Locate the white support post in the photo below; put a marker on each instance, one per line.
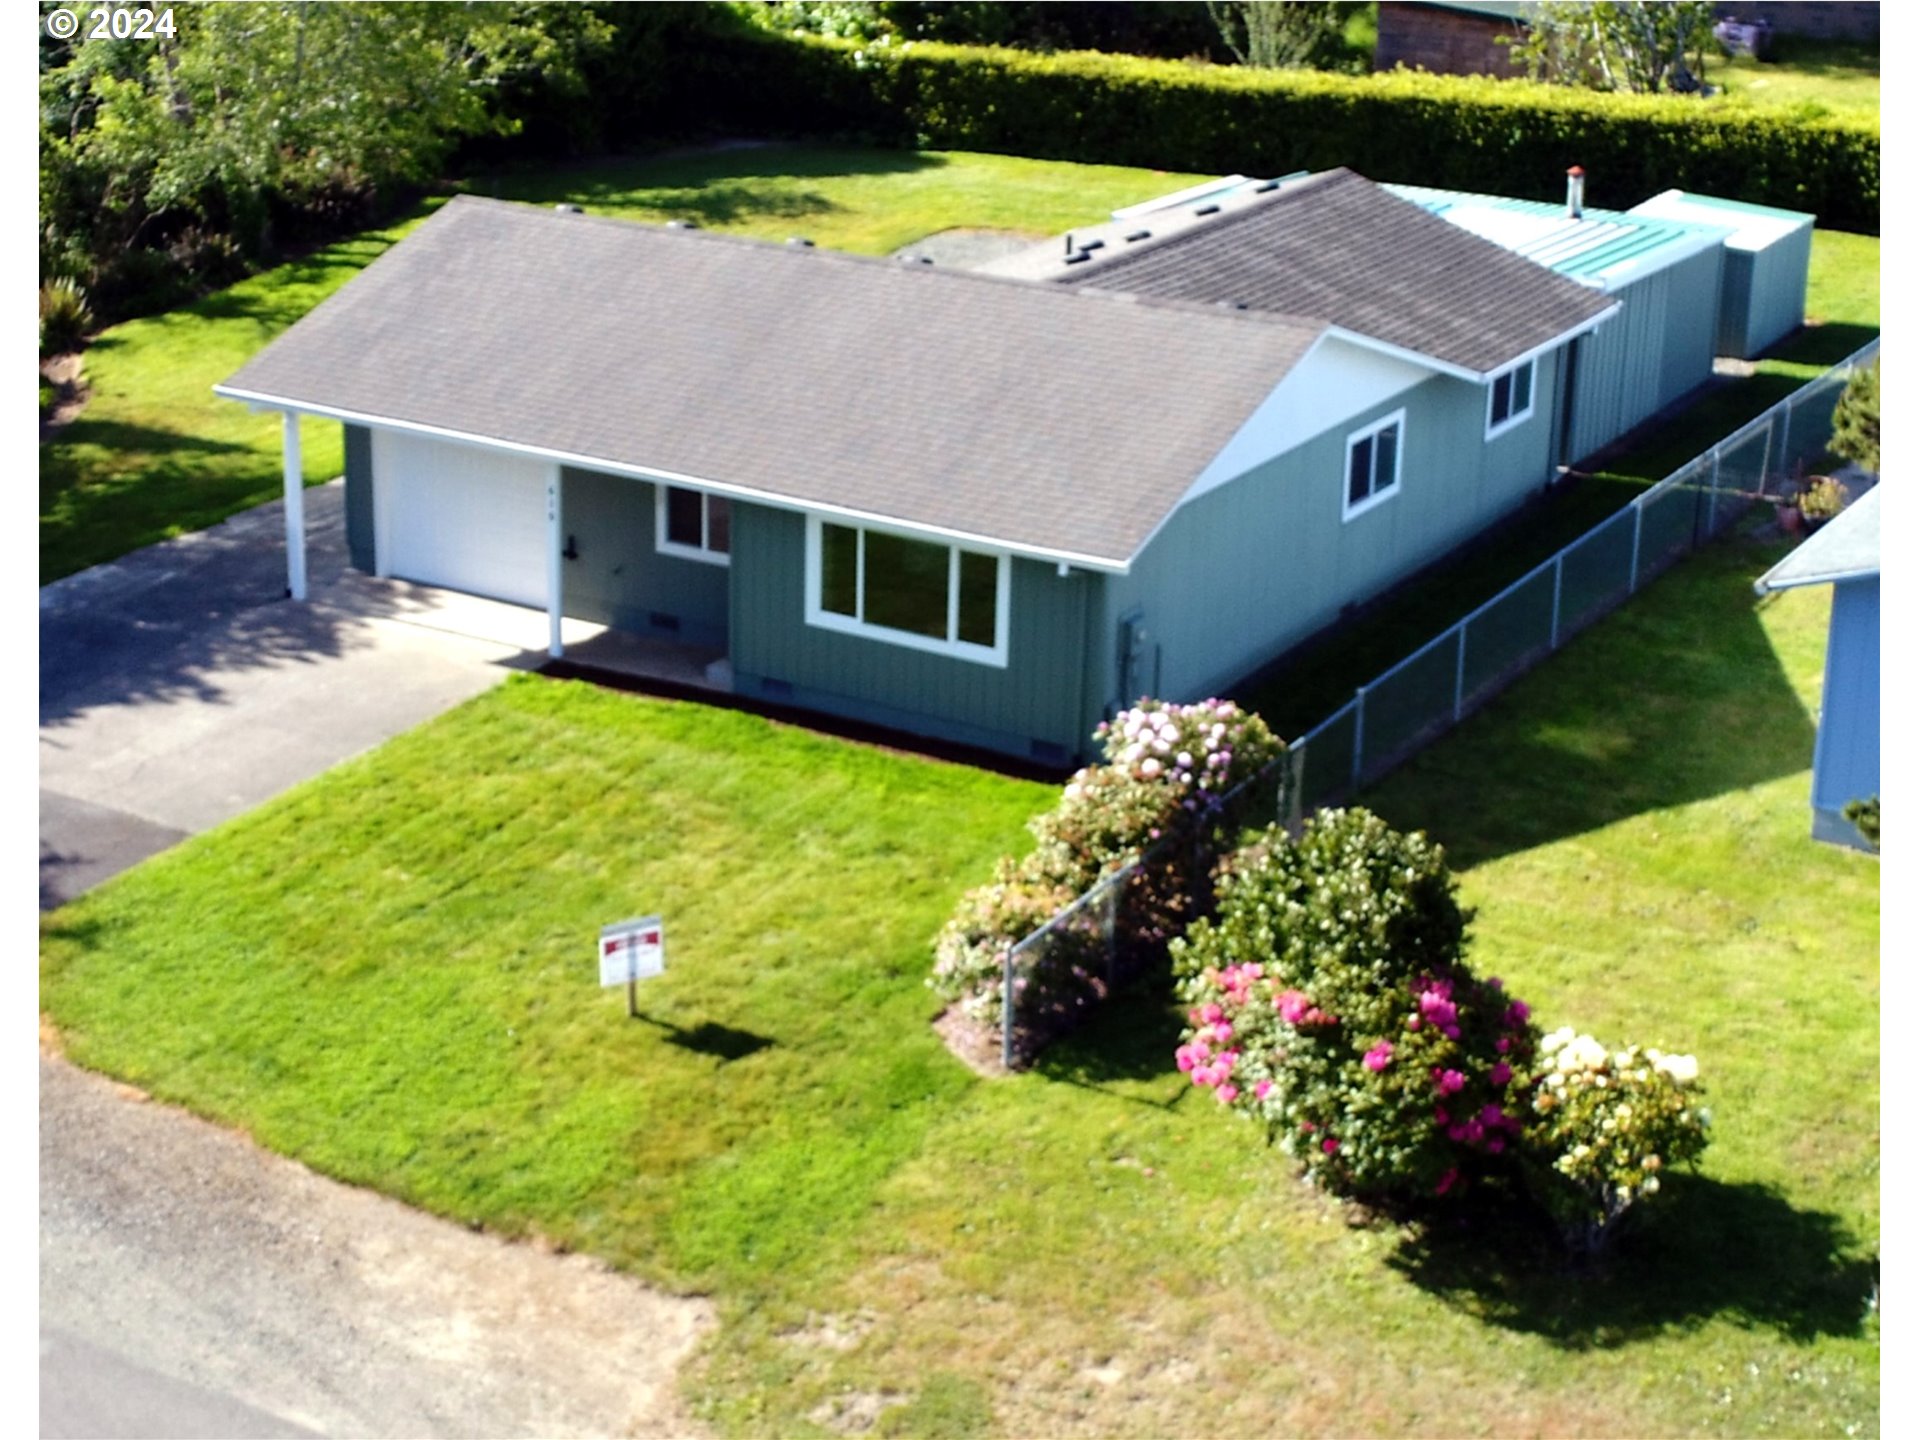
(554, 561)
(296, 501)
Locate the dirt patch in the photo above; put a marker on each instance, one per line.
(65, 374)
(973, 1044)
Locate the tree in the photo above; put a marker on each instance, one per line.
(1856, 419)
(1637, 45)
(1277, 34)
(252, 110)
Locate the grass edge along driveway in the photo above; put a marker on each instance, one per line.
(385, 973)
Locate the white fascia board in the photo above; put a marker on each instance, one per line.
(259, 401)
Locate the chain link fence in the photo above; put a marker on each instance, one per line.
(1119, 928)
(1405, 708)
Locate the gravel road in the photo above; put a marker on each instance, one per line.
(193, 1284)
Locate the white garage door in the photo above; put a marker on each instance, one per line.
(468, 519)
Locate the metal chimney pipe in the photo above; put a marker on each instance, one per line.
(1576, 192)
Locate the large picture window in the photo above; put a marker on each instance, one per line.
(1373, 463)
(1509, 398)
(692, 524)
(924, 594)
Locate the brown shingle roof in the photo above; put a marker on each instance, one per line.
(1338, 248)
(1032, 416)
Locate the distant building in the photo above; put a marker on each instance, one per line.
(1450, 39)
(1846, 749)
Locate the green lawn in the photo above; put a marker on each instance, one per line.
(1307, 685)
(387, 973)
(1814, 77)
(157, 454)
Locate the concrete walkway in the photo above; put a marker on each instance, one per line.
(179, 687)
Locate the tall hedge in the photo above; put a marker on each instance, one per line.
(1462, 132)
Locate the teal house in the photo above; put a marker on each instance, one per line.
(984, 506)
(1845, 554)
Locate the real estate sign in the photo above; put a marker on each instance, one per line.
(633, 950)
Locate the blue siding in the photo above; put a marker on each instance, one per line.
(619, 578)
(1036, 706)
(1249, 569)
(1846, 754)
(1777, 298)
(358, 443)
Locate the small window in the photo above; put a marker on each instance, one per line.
(1509, 398)
(1373, 463)
(692, 524)
(924, 594)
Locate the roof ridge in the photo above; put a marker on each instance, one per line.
(829, 254)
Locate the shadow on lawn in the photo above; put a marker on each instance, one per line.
(1677, 697)
(722, 1042)
(1710, 1250)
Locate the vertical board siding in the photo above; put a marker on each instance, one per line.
(1846, 764)
(1658, 348)
(618, 576)
(358, 444)
(1777, 303)
(1251, 568)
(1038, 695)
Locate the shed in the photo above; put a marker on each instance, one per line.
(1461, 38)
(1763, 292)
(1846, 749)
(1665, 274)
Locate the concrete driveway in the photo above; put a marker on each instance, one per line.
(179, 687)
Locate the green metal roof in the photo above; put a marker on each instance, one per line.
(1754, 227)
(1603, 248)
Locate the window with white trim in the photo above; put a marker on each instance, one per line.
(692, 524)
(923, 594)
(1373, 463)
(1509, 398)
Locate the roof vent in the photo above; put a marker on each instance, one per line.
(1576, 192)
(569, 210)
(914, 259)
(1079, 257)
(1139, 235)
(1093, 245)
(683, 224)
(1068, 237)
(1265, 185)
(1207, 210)
(799, 242)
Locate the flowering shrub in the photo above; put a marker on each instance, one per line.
(1330, 1000)
(1165, 777)
(1605, 1124)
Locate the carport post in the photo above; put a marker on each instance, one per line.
(296, 499)
(554, 570)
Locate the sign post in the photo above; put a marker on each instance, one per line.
(631, 952)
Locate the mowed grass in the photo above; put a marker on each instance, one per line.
(1302, 688)
(1812, 77)
(157, 454)
(387, 973)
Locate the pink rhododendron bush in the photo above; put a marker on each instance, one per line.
(1330, 1000)
(1163, 791)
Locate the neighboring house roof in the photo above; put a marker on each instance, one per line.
(1029, 417)
(1340, 249)
(1519, 12)
(1603, 248)
(1847, 547)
